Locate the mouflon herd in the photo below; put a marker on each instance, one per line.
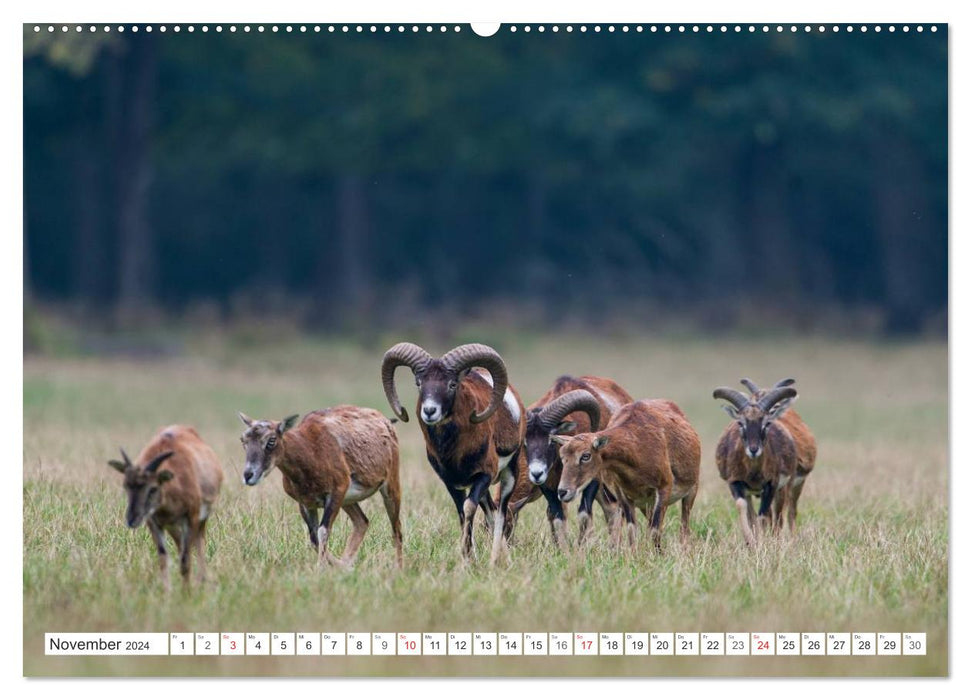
(586, 439)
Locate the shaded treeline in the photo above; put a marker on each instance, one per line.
(365, 173)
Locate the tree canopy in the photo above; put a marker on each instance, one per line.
(569, 170)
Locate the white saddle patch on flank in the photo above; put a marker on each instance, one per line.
(676, 496)
(508, 398)
(338, 437)
(511, 404)
(610, 401)
(356, 492)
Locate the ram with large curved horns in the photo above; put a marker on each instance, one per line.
(473, 423)
(572, 405)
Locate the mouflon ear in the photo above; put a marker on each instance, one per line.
(120, 465)
(559, 439)
(567, 426)
(287, 423)
(779, 409)
(600, 442)
(165, 475)
(247, 421)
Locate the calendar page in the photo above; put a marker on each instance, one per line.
(522, 349)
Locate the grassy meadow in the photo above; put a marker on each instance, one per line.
(871, 552)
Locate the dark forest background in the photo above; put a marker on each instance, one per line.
(349, 177)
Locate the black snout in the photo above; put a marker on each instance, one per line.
(429, 410)
(567, 495)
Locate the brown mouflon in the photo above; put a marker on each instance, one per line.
(648, 454)
(473, 425)
(172, 486)
(768, 451)
(801, 435)
(333, 459)
(572, 405)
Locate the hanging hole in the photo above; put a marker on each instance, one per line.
(485, 29)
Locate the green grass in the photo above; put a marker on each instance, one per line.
(871, 553)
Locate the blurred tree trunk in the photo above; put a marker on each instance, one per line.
(343, 289)
(112, 95)
(26, 274)
(540, 282)
(323, 311)
(353, 284)
(770, 258)
(136, 265)
(454, 198)
(537, 195)
(273, 208)
(93, 183)
(816, 275)
(90, 268)
(722, 265)
(902, 229)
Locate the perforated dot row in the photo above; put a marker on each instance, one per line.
(232, 28)
(724, 28)
(415, 28)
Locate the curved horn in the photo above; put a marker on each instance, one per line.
(152, 466)
(774, 396)
(752, 387)
(477, 355)
(411, 356)
(785, 382)
(562, 406)
(732, 396)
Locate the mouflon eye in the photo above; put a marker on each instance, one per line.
(271, 443)
(452, 385)
(585, 457)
